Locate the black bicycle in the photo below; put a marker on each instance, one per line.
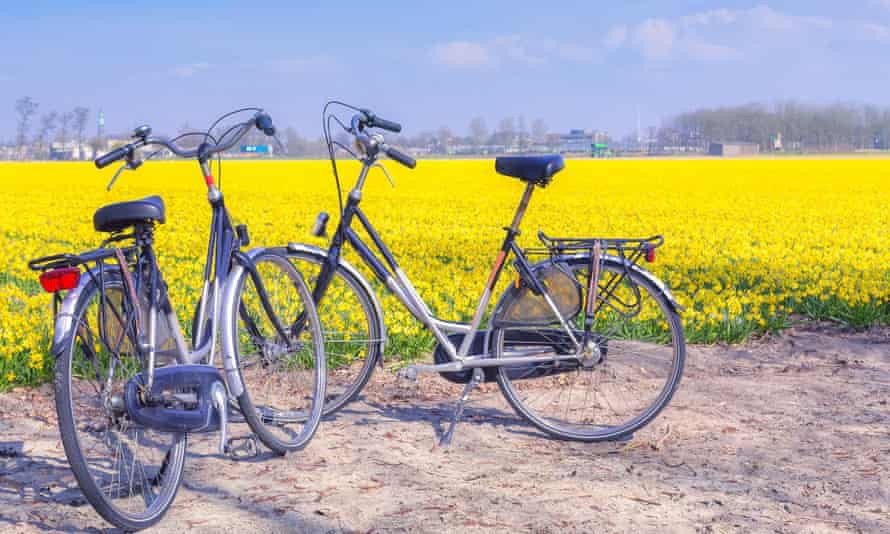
(585, 343)
(129, 389)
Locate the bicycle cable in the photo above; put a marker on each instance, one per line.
(212, 126)
(330, 143)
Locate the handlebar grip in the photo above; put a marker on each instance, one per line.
(115, 155)
(401, 157)
(264, 123)
(377, 122)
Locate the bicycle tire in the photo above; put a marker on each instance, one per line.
(509, 377)
(343, 385)
(171, 467)
(269, 422)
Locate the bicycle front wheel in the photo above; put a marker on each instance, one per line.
(622, 378)
(352, 329)
(277, 340)
(130, 474)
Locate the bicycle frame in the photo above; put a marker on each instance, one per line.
(395, 280)
(223, 253)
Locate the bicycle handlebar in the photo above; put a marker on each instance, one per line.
(261, 120)
(374, 143)
(374, 121)
(115, 155)
(401, 157)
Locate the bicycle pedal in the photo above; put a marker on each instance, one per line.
(243, 448)
(407, 373)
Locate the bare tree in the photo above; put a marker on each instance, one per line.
(539, 130)
(294, 144)
(81, 114)
(523, 133)
(65, 120)
(506, 131)
(837, 127)
(47, 125)
(478, 131)
(444, 136)
(25, 108)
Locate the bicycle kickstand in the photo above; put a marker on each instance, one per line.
(478, 378)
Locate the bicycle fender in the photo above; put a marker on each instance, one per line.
(663, 289)
(63, 327)
(607, 259)
(348, 267)
(229, 316)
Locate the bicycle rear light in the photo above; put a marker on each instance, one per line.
(650, 254)
(59, 279)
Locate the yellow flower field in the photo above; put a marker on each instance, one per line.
(748, 242)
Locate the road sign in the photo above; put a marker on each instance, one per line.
(259, 149)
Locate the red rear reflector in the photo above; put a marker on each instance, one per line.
(650, 254)
(59, 279)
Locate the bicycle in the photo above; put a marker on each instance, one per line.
(128, 389)
(585, 316)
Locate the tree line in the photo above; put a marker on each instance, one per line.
(801, 127)
(788, 126)
(34, 138)
(36, 132)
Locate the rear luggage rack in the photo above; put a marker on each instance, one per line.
(58, 261)
(631, 249)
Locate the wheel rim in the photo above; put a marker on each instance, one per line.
(133, 471)
(626, 375)
(280, 375)
(350, 335)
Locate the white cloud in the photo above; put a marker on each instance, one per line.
(615, 37)
(768, 18)
(190, 69)
(509, 49)
(513, 48)
(717, 35)
(580, 54)
(876, 32)
(303, 65)
(709, 18)
(655, 38)
(703, 51)
(462, 54)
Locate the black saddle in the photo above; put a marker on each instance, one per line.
(116, 217)
(538, 170)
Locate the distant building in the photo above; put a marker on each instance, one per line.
(731, 149)
(576, 141)
(70, 150)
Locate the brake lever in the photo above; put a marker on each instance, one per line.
(131, 165)
(386, 172)
(114, 178)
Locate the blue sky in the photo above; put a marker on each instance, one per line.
(584, 64)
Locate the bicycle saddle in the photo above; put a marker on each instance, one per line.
(538, 170)
(116, 217)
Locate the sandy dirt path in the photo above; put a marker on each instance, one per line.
(786, 435)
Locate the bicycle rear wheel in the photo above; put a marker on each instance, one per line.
(283, 372)
(129, 474)
(623, 378)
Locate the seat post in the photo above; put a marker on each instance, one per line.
(520, 211)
